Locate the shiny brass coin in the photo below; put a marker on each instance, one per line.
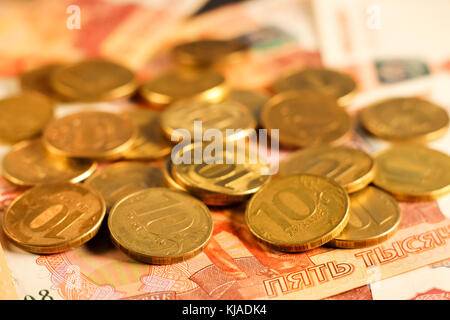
(94, 80)
(413, 172)
(334, 84)
(52, 218)
(160, 226)
(168, 179)
(90, 134)
(167, 88)
(305, 118)
(221, 116)
(351, 168)
(150, 143)
(204, 53)
(28, 163)
(24, 116)
(297, 213)
(406, 120)
(118, 180)
(374, 217)
(39, 79)
(254, 100)
(239, 175)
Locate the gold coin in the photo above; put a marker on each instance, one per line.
(150, 143)
(204, 53)
(39, 79)
(406, 120)
(24, 116)
(374, 217)
(118, 180)
(169, 87)
(239, 175)
(305, 118)
(90, 134)
(28, 163)
(223, 116)
(413, 172)
(160, 226)
(94, 80)
(254, 100)
(351, 168)
(297, 213)
(168, 179)
(332, 83)
(52, 218)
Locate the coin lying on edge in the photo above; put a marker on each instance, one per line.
(160, 226)
(207, 85)
(351, 168)
(413, 172)
(335, 84)
(204, 53)
(225, 183)
(297, 213)
(120, 179)
(53, 218)
(28, 163)
(93, 80)
(405, 120)
(305, 118)
(226, 116)
(374, 217)
(24, 116)
(90, 134)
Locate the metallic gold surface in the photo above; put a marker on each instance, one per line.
(222, 116)
(254, 100)
(28, 163)
(90, 134)
(52, 218)
(305, 118)
(150, 143)
(176, 85)
(298, 212)
(413, 172)
(351, 168)
(93, 80)
(204, 53)
(374, 217)
(39, 79)
(219, 184)
(120, 179)
(405, 120)
(160, 226)
(334, 84)
(24, 116)
(168, 179)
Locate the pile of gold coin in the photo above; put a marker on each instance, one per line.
(130, 169)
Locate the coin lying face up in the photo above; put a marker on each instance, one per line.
(160, 226)
(120, 179)
(176, 85)
(374, 217)
(334, 84)
(413, 172)
(28, 163)
(24, 116)
(298, 212)
(52, 218)
(405, 120)
(224, 183)
(351, 168)
(90, 134)
(93, 80)
(305, 118)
